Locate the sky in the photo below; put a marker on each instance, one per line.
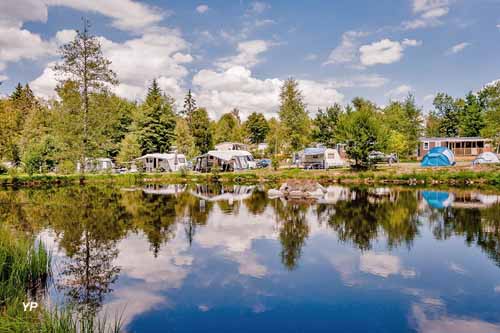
(237, 53)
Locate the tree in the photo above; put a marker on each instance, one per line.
(325, 125)
(293, 116)
(275, 137)
(472, 118)
(448, 113)
(489, 98)
(227, 129)
(129, 149)
(84, 64)
(156, 123)
(184, 141)
(200, 130)
(406, 119)
(432, 124)
(257, 127)
(189, 105)
(362, 132)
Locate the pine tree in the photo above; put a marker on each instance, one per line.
(189, 105)
(156, 125)
(293, 116)
(84, 63)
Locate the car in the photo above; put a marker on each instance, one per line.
(264, 163)
(379, 157)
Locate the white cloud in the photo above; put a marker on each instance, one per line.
(429, 13)
(126, 14)
(248, 54)
(164, 50)
(399, 92)
(258, 7)
(458, 48)
(498, 26)
(19, 44)
(367, 81)
(347, 50)
(202, 9)
(236, 87)
(384, 51)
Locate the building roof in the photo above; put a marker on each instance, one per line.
(455, 139)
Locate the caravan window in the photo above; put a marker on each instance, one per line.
(426, 145)
(182, 160)
(331, 156)
(249, 158)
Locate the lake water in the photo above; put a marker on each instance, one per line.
(178, 258)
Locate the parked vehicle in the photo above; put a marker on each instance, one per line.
(379, 157)
(264, 163)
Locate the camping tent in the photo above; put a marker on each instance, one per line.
(485, 158)
(438, 156)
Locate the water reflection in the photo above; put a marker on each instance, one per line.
(228, 253)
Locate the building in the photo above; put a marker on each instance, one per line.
(162, 162)
(462, 147)
(230, 146)
(224, 160)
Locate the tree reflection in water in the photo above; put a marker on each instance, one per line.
(90, 221)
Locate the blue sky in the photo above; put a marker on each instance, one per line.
(237, 53)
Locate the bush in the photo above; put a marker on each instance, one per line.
(3, 169)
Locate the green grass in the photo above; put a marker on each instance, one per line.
(399, 175)
(25, 268)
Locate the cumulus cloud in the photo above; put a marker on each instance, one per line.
(202, 9)
(126, 14)
(20, 44)
(165, 51)
(347, 50)
(384, 51)
(247, 56)
(399, 92)
(429, 13)
(220, 91)
(458, 48)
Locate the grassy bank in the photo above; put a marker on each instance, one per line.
(24, 273)
(406, 173)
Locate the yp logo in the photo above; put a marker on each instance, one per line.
(30, 306)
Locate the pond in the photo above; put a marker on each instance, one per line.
(226, 258)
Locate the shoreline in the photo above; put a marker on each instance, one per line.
(390, 175)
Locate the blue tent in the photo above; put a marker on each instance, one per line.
(436, 199)
(438, 156)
